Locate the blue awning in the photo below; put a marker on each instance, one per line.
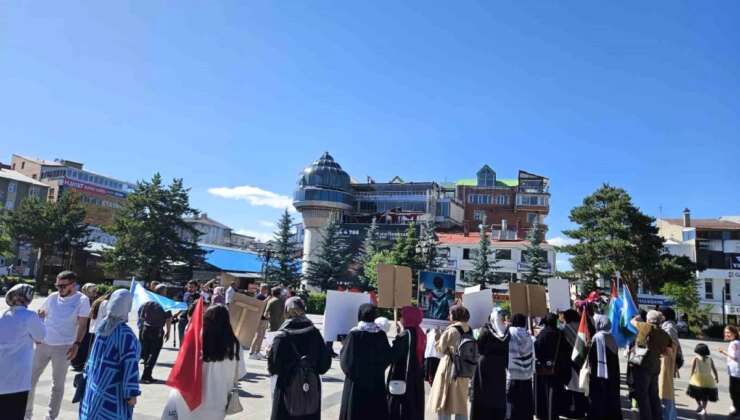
(238, 260)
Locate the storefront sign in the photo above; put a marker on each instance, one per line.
(732, 309)
(653, 301)
(733, 274)
(92, 188)
(735, 261)
(524, 267)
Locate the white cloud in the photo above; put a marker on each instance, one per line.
(260, 236)
(267, 224)
(255, 196)
(561, 241)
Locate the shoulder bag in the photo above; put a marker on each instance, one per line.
(233, 405)
(548, 368)
(397, 386)
(639, 352)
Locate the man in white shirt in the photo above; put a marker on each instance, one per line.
(230, 293)
(65, 314)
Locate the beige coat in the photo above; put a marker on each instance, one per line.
(667, 374)
(448, 395)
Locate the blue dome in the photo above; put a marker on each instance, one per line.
(324, 172)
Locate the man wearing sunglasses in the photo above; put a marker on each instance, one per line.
(65, 314)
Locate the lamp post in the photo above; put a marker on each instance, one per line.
(266, 254)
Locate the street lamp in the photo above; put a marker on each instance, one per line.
(266, 254)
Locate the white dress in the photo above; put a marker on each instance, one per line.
(218, 381)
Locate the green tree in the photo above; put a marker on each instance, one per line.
(371, 268)
(329, 266)
(370, 247)
(484, 267)
(404, 253)
(614, 235)
(684, 295)
(535, 257)
(6, 242)
(674, 269)
(286, 267)
(50, 227)
(151, 233)
(428, 246)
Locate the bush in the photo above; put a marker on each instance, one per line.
(316, 303)
(104, 288)
(714, 331)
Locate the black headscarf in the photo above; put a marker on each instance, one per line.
(550, 321)
(571, 315)
(367, 313)
(519, 321)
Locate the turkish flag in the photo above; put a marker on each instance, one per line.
(187, 373)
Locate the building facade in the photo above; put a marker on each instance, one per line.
(215, 233)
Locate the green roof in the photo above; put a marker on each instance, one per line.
(499, 182)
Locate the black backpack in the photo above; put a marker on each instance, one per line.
(466, 359)
(302, 394)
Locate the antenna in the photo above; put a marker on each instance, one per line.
(660, 208)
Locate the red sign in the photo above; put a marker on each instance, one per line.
(92, 188)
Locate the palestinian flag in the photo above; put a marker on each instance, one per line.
(583, 339)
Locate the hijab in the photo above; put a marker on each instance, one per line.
(19, 295)
(411, 319)
(119, 305)
(219, 290)
(366, 316)
(294, 308)
(497, 321)
(604, 340)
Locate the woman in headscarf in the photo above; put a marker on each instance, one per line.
(408, 354)
(552, 368)
(98, 312)
(113, 371)
(489, 382)
(604, 379)
(575, 403)
(364, 357)
(19, 328)
(296, 334)
(219, 296)
(449, 394)
(90, 290)
(521, 369)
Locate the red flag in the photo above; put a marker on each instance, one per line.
(582, 340)
(614, 289)
(187, 374)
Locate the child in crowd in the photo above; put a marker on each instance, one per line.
(701, 386)
(733, 366)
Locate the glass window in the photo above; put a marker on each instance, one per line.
(728, 294)
(708, 291)
(503, 254)
(9, 205)
(479, 215)
(466, 253)
(12, 187)
(531, 218)
(502, 199)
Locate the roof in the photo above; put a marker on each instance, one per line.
(203, 218)
(19, 177)
(246, 275)
(474, 237)
(706, 224)
(499, 182)
(232, 260)
(41, 161)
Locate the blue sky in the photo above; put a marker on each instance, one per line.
(246, 94)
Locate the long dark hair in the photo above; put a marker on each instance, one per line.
(219, 341)
(96, 305)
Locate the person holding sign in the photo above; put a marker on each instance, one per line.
(406, 376)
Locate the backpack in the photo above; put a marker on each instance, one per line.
(465, 360)
(302, 394)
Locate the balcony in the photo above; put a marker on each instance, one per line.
(533, 189)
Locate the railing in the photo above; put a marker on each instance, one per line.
(533, 190)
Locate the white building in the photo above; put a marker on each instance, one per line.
(215, 233)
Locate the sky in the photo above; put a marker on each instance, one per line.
(238, 97)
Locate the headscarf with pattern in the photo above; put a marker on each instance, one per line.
(19, 295)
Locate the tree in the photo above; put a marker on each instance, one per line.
(674, 269)
(370, 247)
(613, 235)
(534, 258)
(287, 265)
(50, 227)
(428, 246)
(404, 253)
(484, 268)
(6, 243)
(684, 295)
(151, 233)
(329, 266)
(371, 268)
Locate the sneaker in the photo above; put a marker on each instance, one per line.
(702, 412)
(147, 380)
(256, 356)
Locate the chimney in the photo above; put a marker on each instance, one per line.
(686, 218)
(204, 215)
(466, 228)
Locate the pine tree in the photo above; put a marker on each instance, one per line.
(484, 268)
(430, 240)
(151, 231)
(404, 253)
(329, 269)
(370, 247)
(286, 269)
(535, 257)
(6, 243)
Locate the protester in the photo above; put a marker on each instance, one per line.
(669, 365)
(113, 372)
(98, 312)
(90, 290)
(298, 338)
(631, 390)
(449, 394)
(153, 336)
(733, 366)
(284, 291)
(65, 315)
(575, 403)
(407, 366)
(489, 383)
(364, 357)
(259, 336)
(153, 285)
(553, 369)
(223, 366)
(206, 291)
(219, 297)
(521, 369)
(645, 375)
(189, 297)
(604, 377)
(431, 356)
(275, 311)
(230, 293)
(19, 329)
(701, 386)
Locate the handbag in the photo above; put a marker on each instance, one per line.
(549, 368)
(80, 384)
(584, 377)
(233, 405)
(397, 386)
(639, 352)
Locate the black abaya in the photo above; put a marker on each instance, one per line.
(604, 393)
(489, 382)
(364, 358)
(549, 347)
(409, 406)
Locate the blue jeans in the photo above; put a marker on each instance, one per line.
(669, 409)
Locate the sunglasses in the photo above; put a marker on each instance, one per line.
(62, 286)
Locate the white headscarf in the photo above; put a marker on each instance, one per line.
(497, 321)
(119, 305)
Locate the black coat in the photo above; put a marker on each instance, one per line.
(550, 346)
(409, 406)
(281, 359)
(604, 393)
(489, 382)
(364, 358)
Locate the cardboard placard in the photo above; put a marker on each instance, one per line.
(528, 299)
(558, 294)
(245, 313)
(480, 306)
(340, 314)
(394, 286)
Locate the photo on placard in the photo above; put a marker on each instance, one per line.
(436, 294)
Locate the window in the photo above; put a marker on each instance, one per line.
(503, 254)
(34, 192)
(33, 176)
(531, 200)
(486, 177)
(12, 187)
(728, 295)
(13, 167)
(531, 218)
(466, 253)
(479, 199)
(23, 165)
(502, 199)
(9, 205)
(462, 276)
(51, 193)
(479, 215)
(708, 292)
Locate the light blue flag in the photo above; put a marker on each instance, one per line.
(629, 311)
(142, 296)
(615, 316)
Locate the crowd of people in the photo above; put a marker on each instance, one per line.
(511, 368)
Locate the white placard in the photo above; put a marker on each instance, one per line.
(480, 305)
(472, 289)
(340, 314)
(558, 295)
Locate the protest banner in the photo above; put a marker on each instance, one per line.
(480, 306)
(558, 295)
(528, 299)
(394, 286)
(340, 314)
(436, 296)
(245, 313)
